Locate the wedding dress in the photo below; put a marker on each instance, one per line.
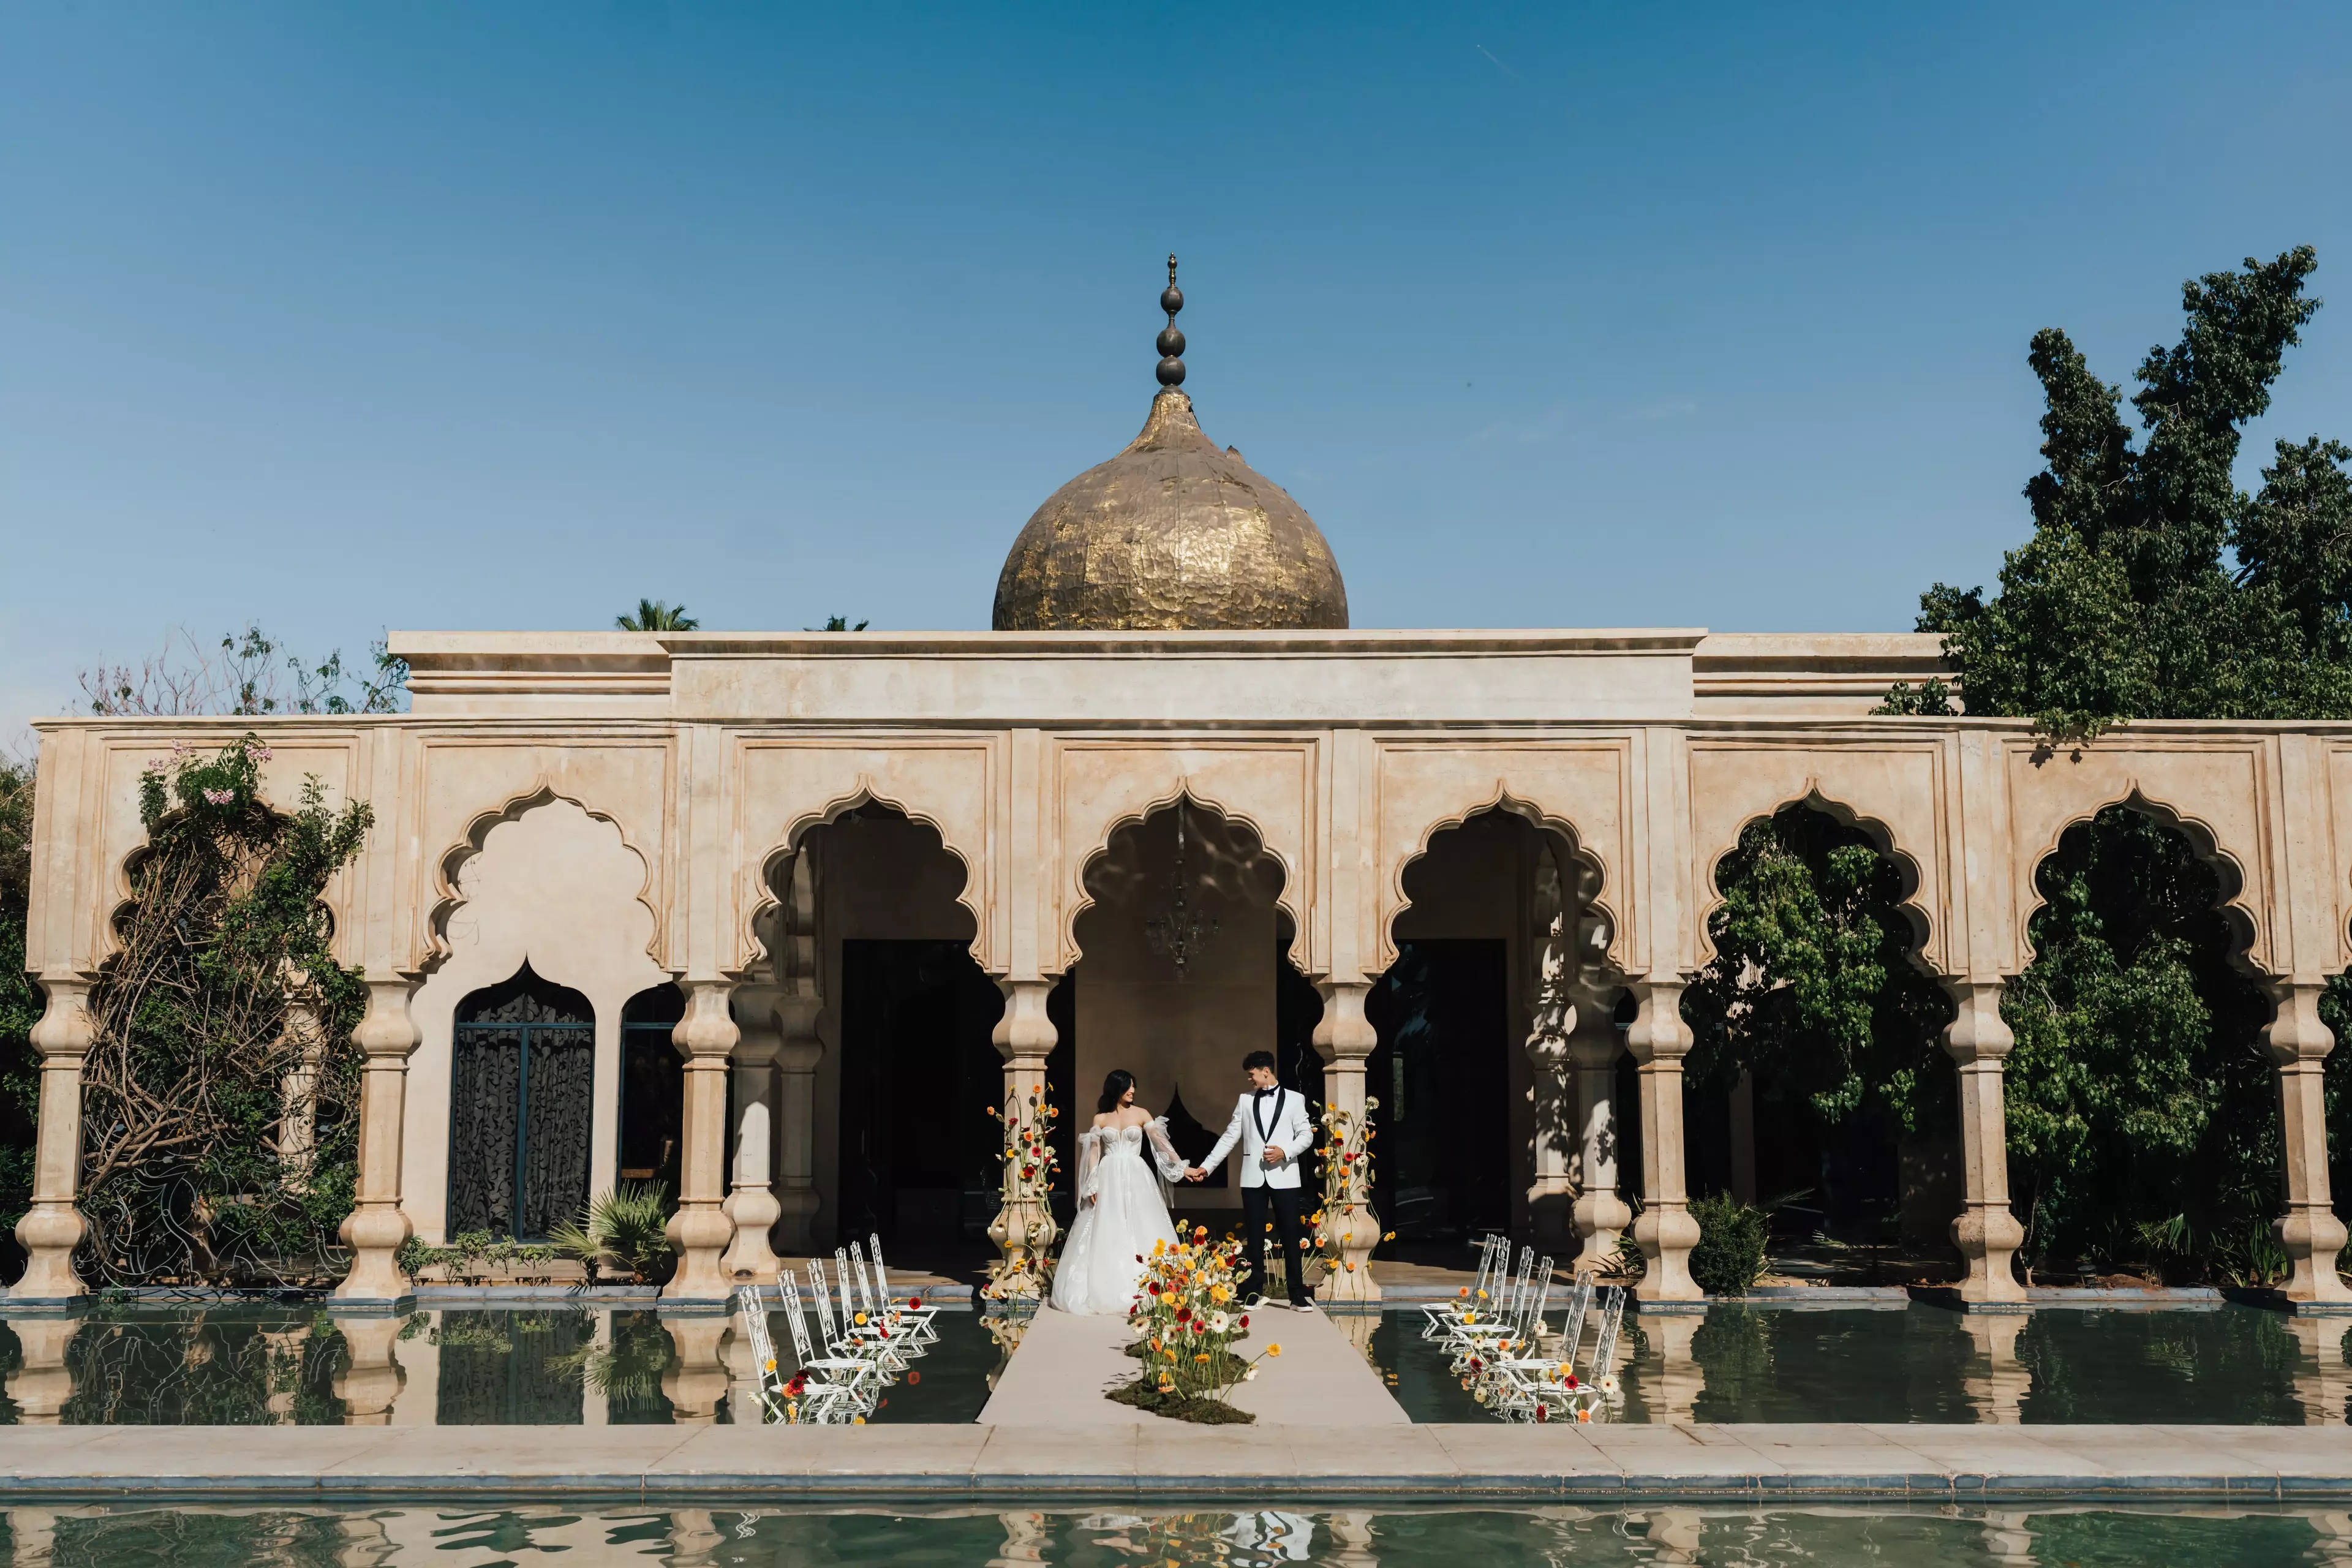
(1101, 1265)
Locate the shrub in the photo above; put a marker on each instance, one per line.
(1729, 1257)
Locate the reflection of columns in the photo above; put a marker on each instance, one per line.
(53, 1227)
(420, 1369)
(751, 1206)
(1601, 1215)
(371, 1380)
(694, 1538)
(1344, 1038)
(1681, 1380)
(1351, 1538)
(2006, 1538)
(1996, 1393)
(1987, 1234)
(2333, 1547)
(376, 1226)
(42, 1382)
(696, 1377)
(2321, 1383)
(742, 1372)
(1673, 1533)
(1659, 1040)
(1023, 1228)
(595, 1402)
(700, 1230)
(2298, 1042)
(797, 1053)
(1024, 1541)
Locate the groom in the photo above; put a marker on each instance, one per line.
(1270, 1123)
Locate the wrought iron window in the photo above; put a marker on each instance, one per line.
(522, 1079)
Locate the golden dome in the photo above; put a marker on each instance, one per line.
(1175, 534)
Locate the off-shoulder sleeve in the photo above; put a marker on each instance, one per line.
(1090, 1143)
(1163, 1153)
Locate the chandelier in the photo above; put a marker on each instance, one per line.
(1178, 933)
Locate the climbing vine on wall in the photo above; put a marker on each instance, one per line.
(220, 1099)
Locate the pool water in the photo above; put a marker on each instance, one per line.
(459, 1537)
(2226, 1363)
(557, 1365)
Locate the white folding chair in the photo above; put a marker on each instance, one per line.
(834, 1388)
(918, 1319)
(1438, 1316)
(879, 1306)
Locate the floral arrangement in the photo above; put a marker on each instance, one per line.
(1346, 1153)
(1029, 1163)
(1186, 1320)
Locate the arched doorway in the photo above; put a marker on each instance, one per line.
(653, 1088)
(1184, 968)
(521, 1105)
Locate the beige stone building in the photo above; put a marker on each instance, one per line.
(783, 913)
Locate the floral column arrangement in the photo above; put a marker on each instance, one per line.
(1024, 1228)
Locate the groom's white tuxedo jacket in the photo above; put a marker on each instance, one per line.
(1280, 1120)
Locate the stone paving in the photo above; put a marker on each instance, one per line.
(1065, 1362)
(1166, 1461)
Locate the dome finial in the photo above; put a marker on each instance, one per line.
(1172, 342)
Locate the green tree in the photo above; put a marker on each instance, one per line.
(657, 616)
(2140, 1111)
(1812, 989)
(2154, 587)
(20, 1002)
(836, 624)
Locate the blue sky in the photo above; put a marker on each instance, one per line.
(430, 315)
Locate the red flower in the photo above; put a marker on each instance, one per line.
(1245, 1320)
(1543, 1412)
(914, 1377)
(1183, 1314)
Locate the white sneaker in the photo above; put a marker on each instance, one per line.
(1302, 1307)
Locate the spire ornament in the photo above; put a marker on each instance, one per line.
(1172, 342)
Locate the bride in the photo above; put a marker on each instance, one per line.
(1122, 1202)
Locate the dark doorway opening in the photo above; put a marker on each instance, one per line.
(522, 1078)
(919, 1149)
(653, 1088)
(1442, 1075)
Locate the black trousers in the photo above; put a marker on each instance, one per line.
(1280, 1207)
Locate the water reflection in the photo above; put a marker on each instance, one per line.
(250, 1365)
(701, 1538)
(2217, 1364)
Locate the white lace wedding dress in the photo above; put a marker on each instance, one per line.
(1101, 1265)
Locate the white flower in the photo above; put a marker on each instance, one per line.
(1250, 1376)
(1609, 1383)
(1217, 1323)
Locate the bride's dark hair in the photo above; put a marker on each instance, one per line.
(1115, 1088)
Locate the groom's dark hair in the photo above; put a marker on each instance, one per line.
(1261, 1059)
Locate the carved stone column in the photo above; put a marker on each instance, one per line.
(298, 1102)
(1023, 1228)
(751, 1206)
(53, 1227)
(1601, 1214)
(377, 1225)
(1343, 1039)
(2298, 1042)
(700, 1231)
(1552, 1192)
(1665, 1229)
(798, 1051)
(1987, 1234)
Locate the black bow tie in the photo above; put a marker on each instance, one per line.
(1263, 1092)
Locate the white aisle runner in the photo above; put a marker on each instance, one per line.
(1065, 1362)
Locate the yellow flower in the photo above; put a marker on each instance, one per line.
(771, 1364)
(1274, 1350)
(857, 1420)
(1201, 1357)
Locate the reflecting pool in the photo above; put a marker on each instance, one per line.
(482, 1538)
(551, 1365)
(2224, 1363)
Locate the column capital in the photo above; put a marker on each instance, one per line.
(2296, 1034)
(1345, 1035)
(1659, 1033)
(1978, 1032)
(708, 1031)
(65, 1031)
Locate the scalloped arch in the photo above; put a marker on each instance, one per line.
(1503, 800)
(1287, 901)
(759, 916)
(1881, 839)
(452, 860)
(2245, 926)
